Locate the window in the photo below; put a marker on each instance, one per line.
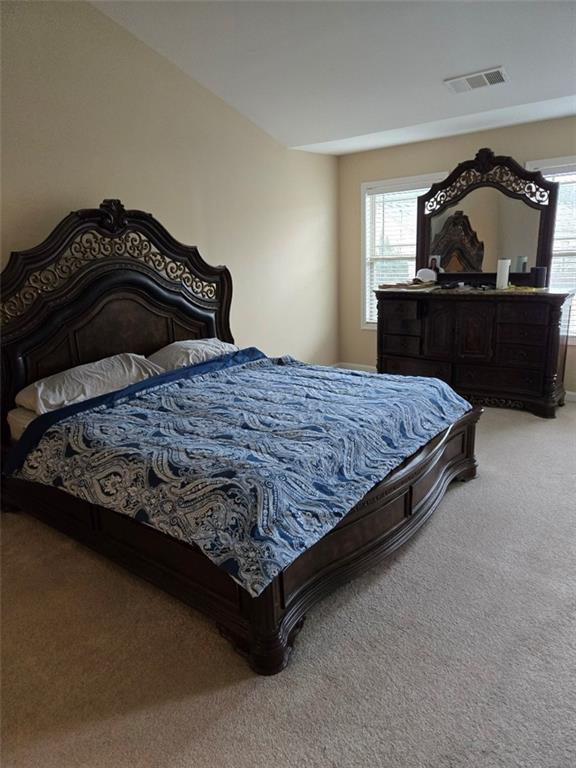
(389, 234)
(563, 266)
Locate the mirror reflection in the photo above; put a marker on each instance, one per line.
(484, 226)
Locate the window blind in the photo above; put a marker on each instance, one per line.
(390, 241)
(563, 266)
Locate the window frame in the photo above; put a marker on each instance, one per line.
(552, 164)
(403, 184)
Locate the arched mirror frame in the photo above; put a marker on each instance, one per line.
(509, 177)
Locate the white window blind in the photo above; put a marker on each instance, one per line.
(563, 266)
(390, 220)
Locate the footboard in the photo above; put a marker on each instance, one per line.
(385, 519)
(264, 628)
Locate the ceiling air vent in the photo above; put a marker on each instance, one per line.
(492, 76)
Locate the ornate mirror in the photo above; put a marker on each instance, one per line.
(487, 209)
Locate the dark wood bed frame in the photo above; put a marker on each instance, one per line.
(109, 280)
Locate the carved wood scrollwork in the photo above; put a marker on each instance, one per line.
(113, 215)
(92, 246)
(496, 402)
(488, 170)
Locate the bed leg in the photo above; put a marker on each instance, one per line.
(467, 474)
(269, 653)
(266, 654)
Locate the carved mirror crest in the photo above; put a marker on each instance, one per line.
(504, 211)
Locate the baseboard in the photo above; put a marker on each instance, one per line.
(356, 367)
(570, 396)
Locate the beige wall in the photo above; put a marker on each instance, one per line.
(90, 112)
(534, 141)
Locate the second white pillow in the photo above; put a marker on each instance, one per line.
(179, 354)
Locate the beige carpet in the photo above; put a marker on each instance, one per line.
(461, 652)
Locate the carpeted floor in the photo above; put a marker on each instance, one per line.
(458, 653)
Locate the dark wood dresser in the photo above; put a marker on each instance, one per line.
(499, 348)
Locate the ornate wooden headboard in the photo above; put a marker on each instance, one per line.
(105, 281)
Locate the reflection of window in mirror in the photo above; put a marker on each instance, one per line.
(563, 265)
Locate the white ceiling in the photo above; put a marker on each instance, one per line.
(339, 77)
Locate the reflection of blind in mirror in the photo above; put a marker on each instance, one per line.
(563, 268)
(390, 241)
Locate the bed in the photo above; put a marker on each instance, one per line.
(109, 281)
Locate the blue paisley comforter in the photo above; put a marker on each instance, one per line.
(250, 458)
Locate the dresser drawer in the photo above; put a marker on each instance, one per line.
(475, 377)
(401, 326)
(527, 357)
(522, 334)
(401, 345)
(410, 366)
(523, 312)
(407, 310)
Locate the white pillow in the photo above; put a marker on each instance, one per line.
(183, 353)
(86, 381)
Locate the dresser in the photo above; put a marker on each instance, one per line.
(496, 348)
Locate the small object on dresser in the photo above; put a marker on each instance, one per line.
(415, 284)
(502, 274)
(538, 276)
(426, 275)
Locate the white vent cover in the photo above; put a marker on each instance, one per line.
(493, 76)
